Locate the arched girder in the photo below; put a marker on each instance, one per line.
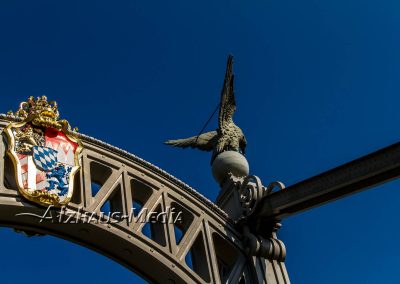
(112, 179)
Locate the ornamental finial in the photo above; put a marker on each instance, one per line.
(228, 142)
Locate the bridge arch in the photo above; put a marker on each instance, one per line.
(204, 248)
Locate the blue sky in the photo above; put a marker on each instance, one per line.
(317, 85)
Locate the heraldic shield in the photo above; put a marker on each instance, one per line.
(45, 152)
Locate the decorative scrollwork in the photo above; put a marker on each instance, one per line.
(251, 191)
(273, 185)
(270, 248)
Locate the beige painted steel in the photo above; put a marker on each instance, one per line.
(215, 244)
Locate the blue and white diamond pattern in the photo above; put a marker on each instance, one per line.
(45, 158)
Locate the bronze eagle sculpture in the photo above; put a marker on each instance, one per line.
(228, 136)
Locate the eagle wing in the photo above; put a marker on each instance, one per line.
(204, 142)
(228, 104)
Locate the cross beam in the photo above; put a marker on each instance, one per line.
(365, 172)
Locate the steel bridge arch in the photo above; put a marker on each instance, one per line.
(123, 180)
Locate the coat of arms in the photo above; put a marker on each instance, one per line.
(45, 152)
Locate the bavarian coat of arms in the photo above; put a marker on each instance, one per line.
(44, 151)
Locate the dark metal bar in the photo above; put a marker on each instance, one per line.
(368, 171)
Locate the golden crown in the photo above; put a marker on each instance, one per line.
(41, 113)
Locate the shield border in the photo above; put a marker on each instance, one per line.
(41, 198)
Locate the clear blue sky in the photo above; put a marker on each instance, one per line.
(317, 85)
